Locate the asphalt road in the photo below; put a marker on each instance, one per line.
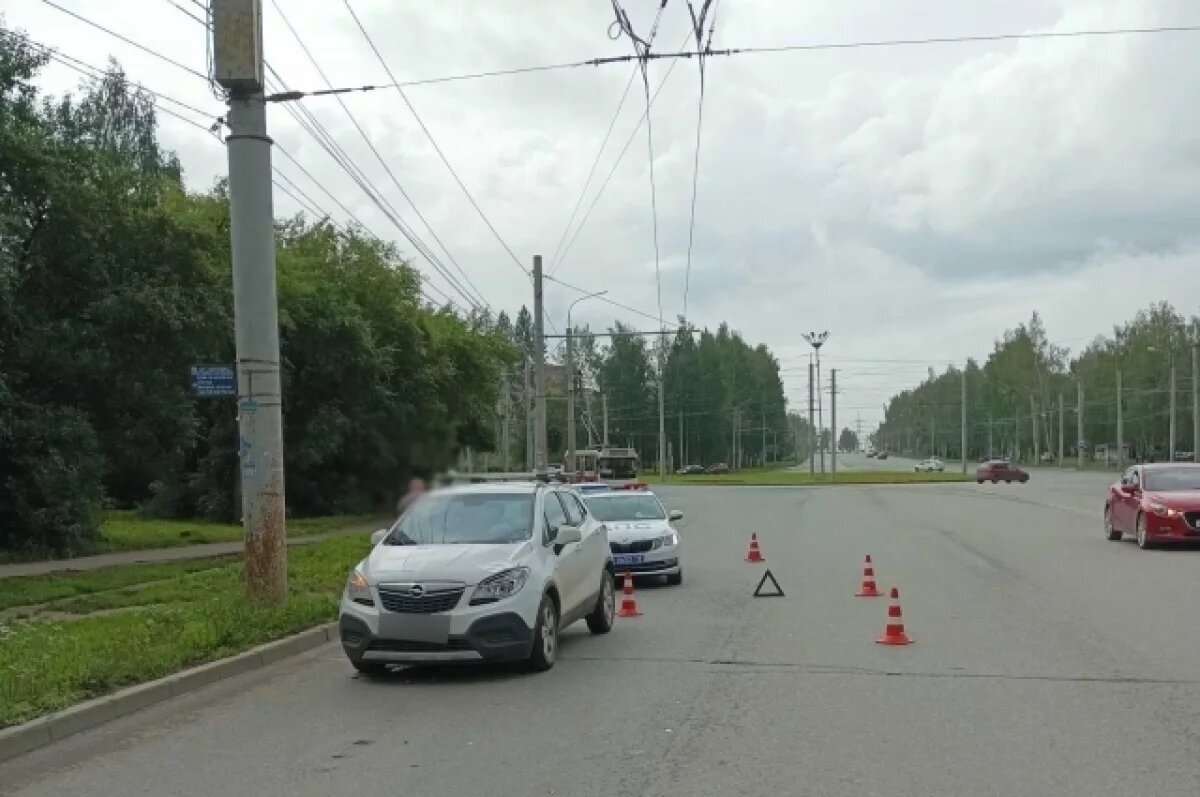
(1047, 662)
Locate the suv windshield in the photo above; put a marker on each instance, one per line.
(625, 507)
(1171, 479)
(465, 518)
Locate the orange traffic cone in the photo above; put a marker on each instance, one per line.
(629, 607)
(893, 632)
(754, 555)
(868, 589)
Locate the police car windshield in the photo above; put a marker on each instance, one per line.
(465, 519)
(625, 507)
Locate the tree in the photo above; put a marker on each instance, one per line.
(848, 440)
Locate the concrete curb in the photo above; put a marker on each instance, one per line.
(25, 738)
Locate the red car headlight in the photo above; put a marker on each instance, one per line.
(1162, 510)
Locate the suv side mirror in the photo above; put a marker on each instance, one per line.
(378, 535)
(675, 514)
(567, 535)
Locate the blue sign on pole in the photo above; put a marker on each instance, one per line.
(210, 381)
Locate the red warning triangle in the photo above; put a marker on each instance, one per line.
(758, 593)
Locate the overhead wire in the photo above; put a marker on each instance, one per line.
(642, 50)
(313, 126)
(127, 40)
(620, 156)
(698, 29)
(430, 136)
(411, 235)
(554, 261)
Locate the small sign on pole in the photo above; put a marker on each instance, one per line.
(214, 381)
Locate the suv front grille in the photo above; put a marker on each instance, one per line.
(638, 546)
(411, 646)
(431, 601)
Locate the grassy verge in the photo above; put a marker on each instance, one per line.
(171, 619)
(784, 477)
(125, 531)
(35, 590)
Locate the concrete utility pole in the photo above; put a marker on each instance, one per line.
(812, 429)
(991, 447)
(570, 463)
(530, 411)
(1196, 401)
(662, 410)
(764, 438)
(1120, 426)
(682, 452)
(1033, 420)
(238, 67)
(506, 425)
(604, 410)
(1062, 416)
(1079, 423)
(1171, 424)
(540, 455)
(833, 433)
(963, 441)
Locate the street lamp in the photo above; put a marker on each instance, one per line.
(570, 463)
(817, 340)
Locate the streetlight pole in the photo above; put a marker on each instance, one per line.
(570, 463)
(817, 340)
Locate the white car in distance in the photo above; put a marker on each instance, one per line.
(930, 465)
(640, 535)
(480, 572)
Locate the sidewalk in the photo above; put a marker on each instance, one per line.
(152, 555)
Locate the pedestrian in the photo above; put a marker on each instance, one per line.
(416, 488)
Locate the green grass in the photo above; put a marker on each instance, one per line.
(774, 477)
(193, 617)
(33, 590)
(123, 530)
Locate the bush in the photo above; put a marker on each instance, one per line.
(50, 477)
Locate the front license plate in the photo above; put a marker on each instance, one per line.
(627, 559)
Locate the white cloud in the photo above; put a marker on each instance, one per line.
(914, 200)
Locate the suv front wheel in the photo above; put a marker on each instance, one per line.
(545, 637)
(600, 621)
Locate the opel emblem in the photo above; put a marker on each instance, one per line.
(416, 591)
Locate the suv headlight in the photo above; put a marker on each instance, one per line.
(502, 585)
(358, 590)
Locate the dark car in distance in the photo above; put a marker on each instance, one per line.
(719, 467)
(1000, 470)
(1158, 503)
(690, 470)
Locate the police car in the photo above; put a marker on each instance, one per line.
(641, 536)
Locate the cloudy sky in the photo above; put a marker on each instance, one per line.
(915, 201)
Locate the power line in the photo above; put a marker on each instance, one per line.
(617, 162)
(591, 172)
(604, 299)
(95, 72)
(378, 156)
(816, 46)
(641, 49)
(128, 41)
(314, 128)
(698, 29)
(429, 135)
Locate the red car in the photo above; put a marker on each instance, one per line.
(1158, 503)
(1000, 470)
